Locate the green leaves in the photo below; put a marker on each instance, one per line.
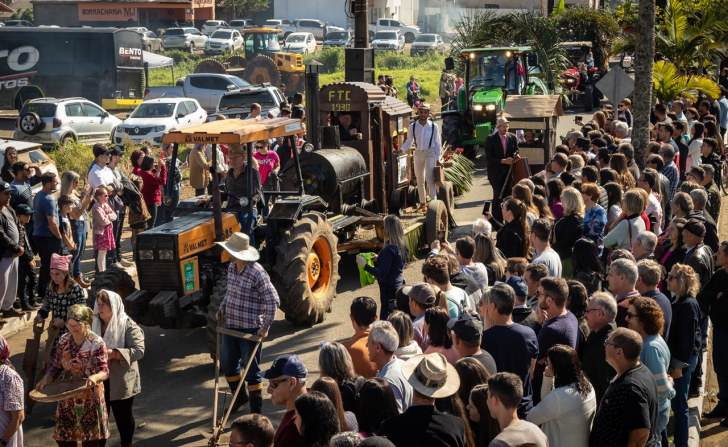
(667, 83)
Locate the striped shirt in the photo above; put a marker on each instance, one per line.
(670, 171)
(656, 357)
(251, 300)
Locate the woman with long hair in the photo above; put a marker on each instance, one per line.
(696, 142)
(512, 238)
(542, 205)
(390, 265)
(568, 229)
(588, 269)
(472, 373)
(335, 362)
(154, 176)
(453, 405)
(479, 413)
(630, 225)
(407, 347)
(614, 204)
(436, 320)
(692, 115)
(601, 119)
(568, 402)
(684, 342)
(486, 253)
(711, 131)
(80, 220)
(483, 309)
(554, 188)
(595, 217)
(523, 193)
(645, 317)
(316, 419)
(328, 387)
(577, 304)
(9, 158)
(673, 247)
(376, 404)
(618, 163)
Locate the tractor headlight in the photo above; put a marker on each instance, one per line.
(244, 202)
(570, 81)
(167, 255)
(478, 108)
(146, 255)
(490, 107)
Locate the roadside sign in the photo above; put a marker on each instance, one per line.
(616, 85)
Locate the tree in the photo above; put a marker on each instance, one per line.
(243, 8)
(668, 83)
(643, 68)
(595, 25)
(23, 14)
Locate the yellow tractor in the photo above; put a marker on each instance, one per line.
(263, 62)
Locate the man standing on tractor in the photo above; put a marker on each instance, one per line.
(426, 136)
(499, 150)
(249, 307)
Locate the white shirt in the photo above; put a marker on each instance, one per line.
(693, 154)
(422, 135)
(655, 209)
(98, 176)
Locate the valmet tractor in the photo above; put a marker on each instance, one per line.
(491, 74)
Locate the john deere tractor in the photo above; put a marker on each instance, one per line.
(490, 75)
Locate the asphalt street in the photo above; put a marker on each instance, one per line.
(178, 376)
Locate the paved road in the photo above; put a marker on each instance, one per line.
(177, 374)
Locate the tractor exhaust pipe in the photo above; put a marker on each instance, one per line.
(313, 117)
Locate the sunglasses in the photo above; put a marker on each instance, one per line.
(274, 383)
(670, 277)
(259, 147)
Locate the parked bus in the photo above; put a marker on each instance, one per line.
(103, 65)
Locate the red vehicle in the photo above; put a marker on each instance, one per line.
(576, 78)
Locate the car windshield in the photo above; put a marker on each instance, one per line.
(174, 32)
(238, 82)
(425, 38)
(43, 110)
(385, 36)
(245, 99)
(237, 23)
(338, 35)
(154, 110)
(296, 38)
(221, 35)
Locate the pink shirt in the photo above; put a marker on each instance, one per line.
(451, 354)
(503, 142)
(266, 163)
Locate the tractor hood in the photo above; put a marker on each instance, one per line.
(488, 96)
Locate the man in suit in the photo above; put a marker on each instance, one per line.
(431, 377)
(499, 150)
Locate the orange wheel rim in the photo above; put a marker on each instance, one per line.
(319, 268)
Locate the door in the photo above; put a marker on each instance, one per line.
(184, 121)
(98, 121)
(200, 89)
(199, 38)
(237, 40)
(77, 119)
(311, 43)
(219, 86)
(196, 114)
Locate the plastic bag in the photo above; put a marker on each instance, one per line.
(366, 278)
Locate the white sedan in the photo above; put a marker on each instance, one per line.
(224, 41)
(303, 43)
(155, 117)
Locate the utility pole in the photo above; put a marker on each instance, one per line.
(361, 23)
(359, 61)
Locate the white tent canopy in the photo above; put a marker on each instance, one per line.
(152, 60)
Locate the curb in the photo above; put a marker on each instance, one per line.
(696, 404)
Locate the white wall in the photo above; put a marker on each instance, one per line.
(331, 11)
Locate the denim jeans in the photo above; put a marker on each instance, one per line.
(79, 237)
(27, 281)
(662, 418)
(46, 246)
(235, 354)
(680, 403)
(243, 219)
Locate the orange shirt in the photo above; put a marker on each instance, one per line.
(359, 353)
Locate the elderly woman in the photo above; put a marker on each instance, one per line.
(11, 400)
(81, 354)
(684, 342)
(630, 225)
(125, 346)
(645, 317)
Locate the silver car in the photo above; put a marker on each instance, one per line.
(48, 121)
(186, 38)
(388, 41)
(427, 42)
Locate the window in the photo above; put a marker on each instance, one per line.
(92, 110)
(182, 109)
(152, 35)
(191, 106)
(220, 83)
(201, 82)
(36, 157)
(74, 109)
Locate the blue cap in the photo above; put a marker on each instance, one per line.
(4, 186)
(286, 365)
(518, 284)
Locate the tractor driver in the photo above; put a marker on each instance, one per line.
(495, 71)
(348, 131)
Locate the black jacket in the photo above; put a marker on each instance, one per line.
(591, 280)
(700, 259)
(510, 238)
(523, 315)
(423, 425)
(711, 230)
(685, 335)
(497, 171)
(676, 257)
(7, 245)
(567, 231)
(709, 302)
(683, 150)
(594, 361)
(714, 160)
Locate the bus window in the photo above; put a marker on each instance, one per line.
(74, 109)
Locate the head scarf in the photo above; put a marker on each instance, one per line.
(115, 334)
(80, 313)
(4, 352)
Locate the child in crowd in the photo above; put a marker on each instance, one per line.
(103, 217)
(65, 204)
(27, 278)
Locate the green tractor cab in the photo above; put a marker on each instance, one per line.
(491, 74)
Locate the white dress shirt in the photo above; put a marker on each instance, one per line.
(422, 136)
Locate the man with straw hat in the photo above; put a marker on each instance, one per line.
(499, 149)
(426, 137)
(249, 307)
(431, 377)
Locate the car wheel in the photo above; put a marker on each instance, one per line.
(66, 140)
(30, 123)
(409, 37)
(192, 48)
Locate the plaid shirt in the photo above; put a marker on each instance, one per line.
(251, 300)
(670, 171)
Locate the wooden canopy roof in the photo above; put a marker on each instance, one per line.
(235, 131)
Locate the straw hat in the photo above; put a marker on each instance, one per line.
(424, 105)
(239, 247)
(501, 121)
(431, 375)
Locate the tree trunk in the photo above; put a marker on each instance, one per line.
(643, 64)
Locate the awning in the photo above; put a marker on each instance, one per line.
(152, 60)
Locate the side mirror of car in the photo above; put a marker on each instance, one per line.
(181, 115)
(231, 87)
(105, 114)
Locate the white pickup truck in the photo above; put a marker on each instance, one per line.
(410, 33)
(236, 104)
(315, 27)
(206, 88)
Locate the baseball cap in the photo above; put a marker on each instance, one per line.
(518, 284)
(101, 149)
(116, 150)
(286, 365)
(23, 210)
(466, 328)
(696, 228)
(4, 186)
(421, 292)
(583, 142)
(599, 142)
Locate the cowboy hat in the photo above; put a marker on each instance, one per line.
(239, 247)
(501, 121)
(424, 105)
(431, 375)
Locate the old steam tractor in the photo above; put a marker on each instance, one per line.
(328, 193)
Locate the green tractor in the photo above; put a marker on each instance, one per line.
(490, 75)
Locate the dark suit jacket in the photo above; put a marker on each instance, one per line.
(593, 360)
(494, 154)
(423, 425)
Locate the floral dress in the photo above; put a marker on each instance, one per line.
(595, 220)
(82, 417)
(11, 399)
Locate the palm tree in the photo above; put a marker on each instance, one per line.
(669, 84)
(644, 51)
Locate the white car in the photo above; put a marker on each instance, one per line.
(241, 24)
(211, 26)
(155, 117)
(224, 41)
(303, 43)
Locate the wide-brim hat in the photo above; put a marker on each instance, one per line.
(424, 105)
(239, 247)
(431, 375)
(501, 121)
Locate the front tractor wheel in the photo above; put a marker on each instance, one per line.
(307, 269)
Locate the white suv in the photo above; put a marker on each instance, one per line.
(211, 26)
(155, 117)
(48, 121)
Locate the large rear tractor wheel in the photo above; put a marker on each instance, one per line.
(210, 66)
(307, 269)
(216, 298)
(115, 280)
(436, 220)
(262, 69)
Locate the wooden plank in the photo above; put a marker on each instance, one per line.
(371, 221)
(364, 212)
(365, 245)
